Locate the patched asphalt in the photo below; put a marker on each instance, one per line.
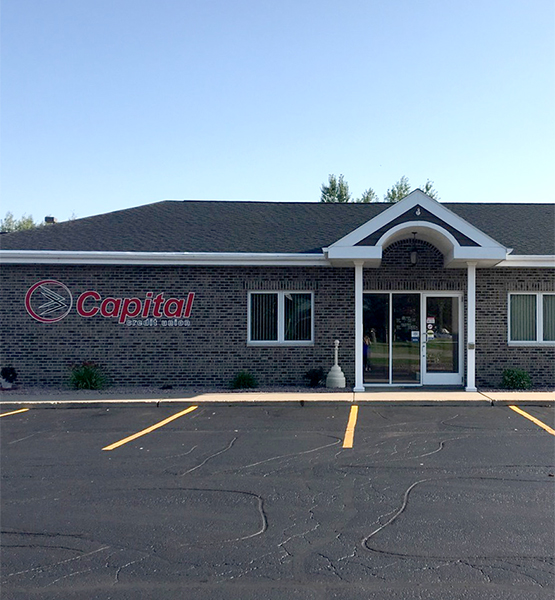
(263, 502)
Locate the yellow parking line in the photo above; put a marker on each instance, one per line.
(14, 412)
(533, 419)
(350, 431)
(149, 429)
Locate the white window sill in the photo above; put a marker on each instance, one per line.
(280, 344)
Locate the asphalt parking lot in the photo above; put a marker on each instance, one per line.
(277, 502)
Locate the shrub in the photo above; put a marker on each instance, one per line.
(243, 380)
(315, 377)
(87, 376)
(9, 374)
(516, 379)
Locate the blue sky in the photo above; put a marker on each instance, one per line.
(109, 104)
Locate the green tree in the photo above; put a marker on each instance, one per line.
(337, 190)
(398, 191)
(428, 189)
(368, 196)
(10, 223)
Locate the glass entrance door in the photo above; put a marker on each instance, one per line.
(375, 349)
(411, 339)
(405, 339)
(441, 340)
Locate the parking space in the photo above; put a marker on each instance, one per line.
(277, 501)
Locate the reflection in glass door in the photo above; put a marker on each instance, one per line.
(375, 353)
(411, 338)
(442, 348)
(405, 351)
(391, 358)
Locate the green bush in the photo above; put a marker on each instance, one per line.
(516, 379)
(9, 374)
(243, 380)
(315, 377)
(87, 376)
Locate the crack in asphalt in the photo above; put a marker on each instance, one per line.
(42, 533)
(331, 566)
(21, 439)
(61, 562)
(518, 570)
(228, 447)
(174, 455)
(4, 545)
(260, 499)
(395, 515)
(261, 462)
(120, 569)
(398, 512)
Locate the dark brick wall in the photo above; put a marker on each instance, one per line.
(397, 274)
(208, 353)
(214, 348)
(493, 353)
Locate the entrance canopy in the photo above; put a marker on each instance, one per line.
(418, 217)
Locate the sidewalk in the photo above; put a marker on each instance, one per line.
(400, 397)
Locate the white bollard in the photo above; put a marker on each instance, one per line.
(336, 377)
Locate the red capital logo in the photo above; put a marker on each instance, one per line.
(48, 301)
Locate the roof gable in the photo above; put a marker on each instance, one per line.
(425, 218)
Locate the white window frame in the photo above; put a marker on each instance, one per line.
(539, 341)
(281, 341)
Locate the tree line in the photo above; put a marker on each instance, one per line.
(9, 223)
(337, 190)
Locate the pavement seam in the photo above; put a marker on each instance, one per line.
(491, 400)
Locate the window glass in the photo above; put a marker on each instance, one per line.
(298, 317)
(281, 317)
(549, 318)
(523, 318)
(264, 317)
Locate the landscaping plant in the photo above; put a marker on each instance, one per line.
(516, 379)
(87, 376)
(243, 380)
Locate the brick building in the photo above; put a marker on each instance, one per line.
(189, 293)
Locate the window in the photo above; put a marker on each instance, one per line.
(532, 318)
(280, 318)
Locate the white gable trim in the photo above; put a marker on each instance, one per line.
(414, 199)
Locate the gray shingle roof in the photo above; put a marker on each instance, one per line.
(283, 227)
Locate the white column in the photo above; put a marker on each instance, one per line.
(471, 329)
(359, 373)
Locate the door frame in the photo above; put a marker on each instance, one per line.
(441, 378)
(425, 377)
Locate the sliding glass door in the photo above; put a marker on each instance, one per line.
(405, 339)
(412, 338)
(375, 355)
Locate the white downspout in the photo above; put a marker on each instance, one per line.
(359, 373)
(471, 334)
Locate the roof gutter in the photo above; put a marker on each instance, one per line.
(162, 258)
(529, 261)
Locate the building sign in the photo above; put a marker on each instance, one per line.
(49, 301)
